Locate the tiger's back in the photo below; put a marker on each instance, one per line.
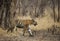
(26, 22)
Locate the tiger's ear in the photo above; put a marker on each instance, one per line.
(32, 19)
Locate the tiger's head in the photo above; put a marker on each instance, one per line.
(34, 22)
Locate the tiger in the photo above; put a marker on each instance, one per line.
(25, 25)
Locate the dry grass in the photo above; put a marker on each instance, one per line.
(40, 34)
(41, 30)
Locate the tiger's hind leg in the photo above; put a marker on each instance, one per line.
(10, 29)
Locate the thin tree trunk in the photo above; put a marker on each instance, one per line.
(58, 11)
(54, 10)
(5, 15)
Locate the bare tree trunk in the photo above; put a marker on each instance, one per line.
(5, 15)
(58, 11)
(54, 10)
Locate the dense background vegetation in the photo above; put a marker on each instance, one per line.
(10, 9)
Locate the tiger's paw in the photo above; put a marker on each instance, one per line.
(31, 35)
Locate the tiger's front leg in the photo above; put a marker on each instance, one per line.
(27, 28)
(24, 30)
(29, 31)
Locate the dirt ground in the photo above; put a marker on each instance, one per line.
(41, 35)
